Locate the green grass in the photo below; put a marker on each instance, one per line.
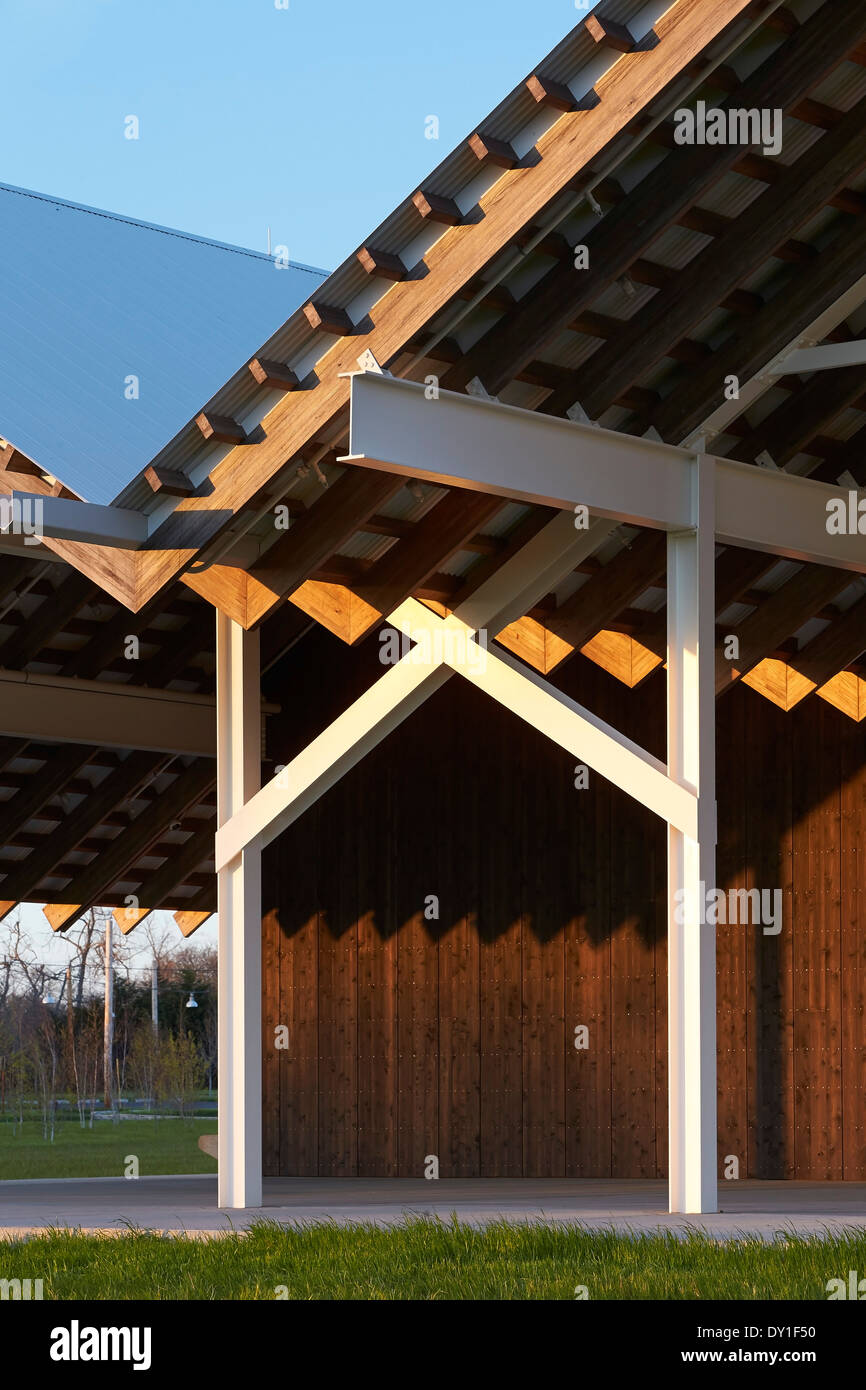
(162, 1146)
(427, 1259)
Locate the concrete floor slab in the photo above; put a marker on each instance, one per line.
(188, 1204)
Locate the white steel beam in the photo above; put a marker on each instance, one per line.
(824, 358)
(510, 452)
(65, 519)
(111, 716)
(461, 440)
(239, 896)
(691, 860)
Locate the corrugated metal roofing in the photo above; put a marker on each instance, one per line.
(89, 299)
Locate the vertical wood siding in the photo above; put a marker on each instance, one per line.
(454, 1037)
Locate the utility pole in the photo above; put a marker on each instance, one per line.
(154, 997)
(70, 1026)
(108, 1028)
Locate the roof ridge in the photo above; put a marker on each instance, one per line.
(152, 227)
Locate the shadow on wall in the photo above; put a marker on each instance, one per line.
(468, 945)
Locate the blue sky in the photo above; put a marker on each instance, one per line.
(308, 119)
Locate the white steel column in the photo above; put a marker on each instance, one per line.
(693, 1183)
(239, 715)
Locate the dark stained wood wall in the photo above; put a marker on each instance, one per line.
(410, 1037)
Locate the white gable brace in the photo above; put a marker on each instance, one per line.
(512, 453)
(407, 684)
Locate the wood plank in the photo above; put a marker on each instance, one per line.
(588, 974)
(732, 945)
(459, 958)
(547, 772)
(434, 208)
(272, 1056)
(817, 947)
(846, 692)
(547, 92)
(368, 795)
(853, 951)
(415, 875)
(500, 930)
(338, 992)
(609, 34)
(633, 978)
(835, 648)
(769, 864)
(50, 617)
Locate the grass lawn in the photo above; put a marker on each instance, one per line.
(427, 1259)
(161, 1146)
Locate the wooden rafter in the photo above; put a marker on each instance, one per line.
(159, 886)
(721, 267)
(754, 342)
(789, 608)
(319, 533)
(25, 644)
(119, 857)
(24, 877)
(352, 612)
(628, 230)
(58, 770)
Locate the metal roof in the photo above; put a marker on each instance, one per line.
(90, 299)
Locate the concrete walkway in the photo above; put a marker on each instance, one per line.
(188, 1204)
